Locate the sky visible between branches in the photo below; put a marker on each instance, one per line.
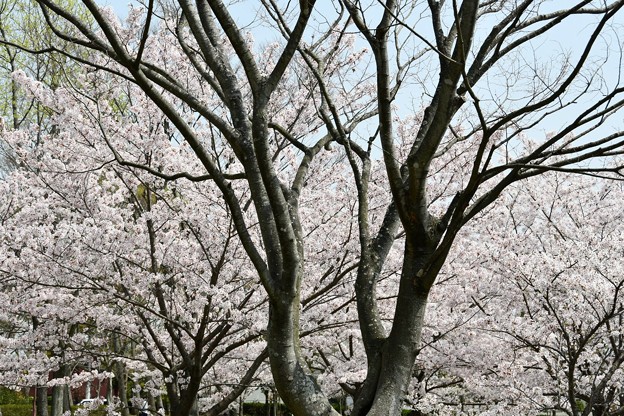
(563, 41)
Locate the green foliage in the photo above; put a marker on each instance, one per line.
(9, 396)
(100, 411)
(18, 409)
(145, 196)
(22, 23)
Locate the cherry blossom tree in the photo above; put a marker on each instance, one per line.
(536, 328)
(496, 152)
(253, 119)
(20, 23)
(165, 295)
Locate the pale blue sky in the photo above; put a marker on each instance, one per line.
(120, 6)
(561, 40)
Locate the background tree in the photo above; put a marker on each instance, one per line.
(529, 330)
(560, 320)
(21, 23)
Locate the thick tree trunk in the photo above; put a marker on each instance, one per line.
(181, 402)
(390, 374)
(390, 367)
(363, 400)
(397, 360)
(173, 394)
(293, 379)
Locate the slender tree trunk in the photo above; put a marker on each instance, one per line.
(67, 398)
(119, 370)
(159, 403)
(109, 390)
(42, 401)
(14, 95)
(120, 376)
(151, 403)
(173, 393)
(58, 393)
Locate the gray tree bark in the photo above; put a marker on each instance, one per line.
(58, 396)
(119, 370)
(41, 401)
(59, 392)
